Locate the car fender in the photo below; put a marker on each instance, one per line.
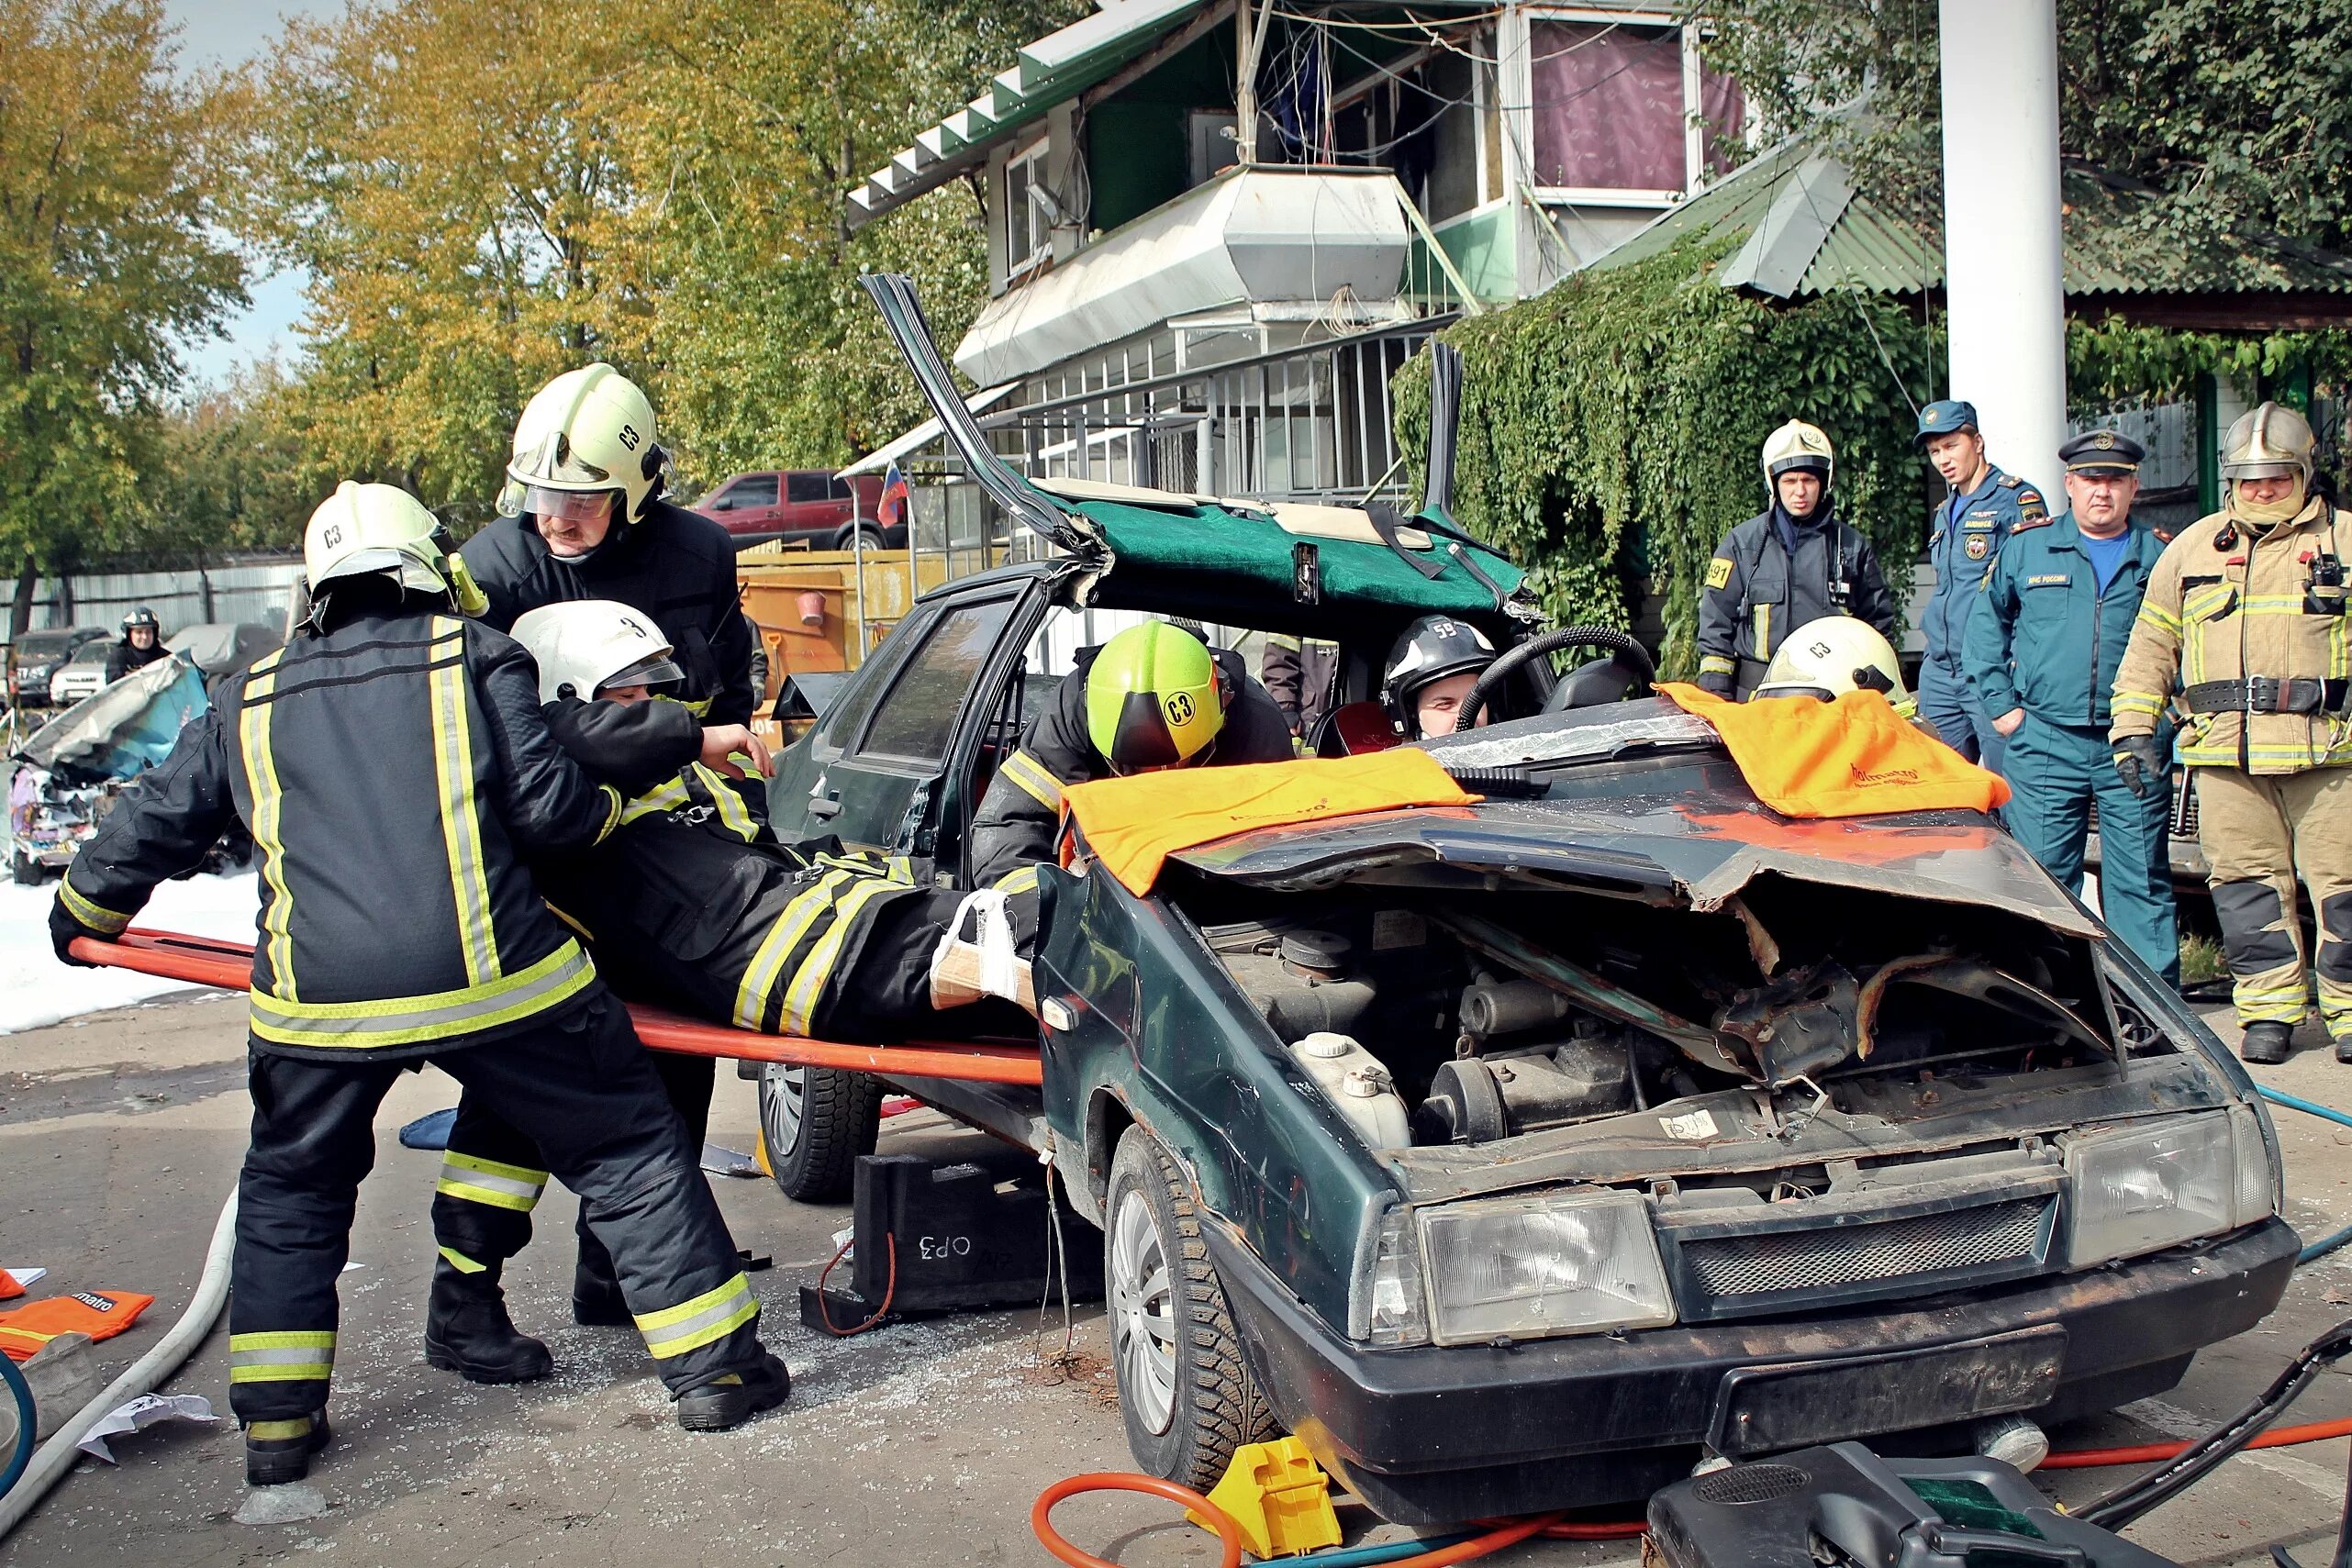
(1143, 1025)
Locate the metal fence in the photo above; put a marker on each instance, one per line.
(256, 590)
(1313, 422)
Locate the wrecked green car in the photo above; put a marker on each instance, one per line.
(1667, 1127)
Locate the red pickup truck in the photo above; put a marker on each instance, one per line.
(802, 506)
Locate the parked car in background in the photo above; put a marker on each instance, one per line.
(218, 647)
(34, 659)
(83, 675)
(802, 506)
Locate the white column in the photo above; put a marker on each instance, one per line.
(2004, 287)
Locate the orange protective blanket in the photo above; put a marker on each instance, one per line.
(1133, 824)
(99, 1314)
(1853, 757)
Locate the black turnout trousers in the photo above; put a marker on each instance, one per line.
(577, 1083)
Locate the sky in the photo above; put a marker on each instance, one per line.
(230, 32)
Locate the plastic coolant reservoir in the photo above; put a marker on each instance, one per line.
(1353, 1079)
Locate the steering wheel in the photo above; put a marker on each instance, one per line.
(1483, 690)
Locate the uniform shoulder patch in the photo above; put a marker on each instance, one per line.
(1719, 573)
(2032, 520)
(2028, 495)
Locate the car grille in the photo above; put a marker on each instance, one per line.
(1742, 1275)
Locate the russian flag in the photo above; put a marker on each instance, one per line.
(891, 510)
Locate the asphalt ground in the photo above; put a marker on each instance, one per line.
(920, 1444)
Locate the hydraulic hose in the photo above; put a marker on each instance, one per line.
(57, 1455)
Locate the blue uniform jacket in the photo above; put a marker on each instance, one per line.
(2042, 637)
(1964, 540)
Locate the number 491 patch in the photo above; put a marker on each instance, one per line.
(1719, 573)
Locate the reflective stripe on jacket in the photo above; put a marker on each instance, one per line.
(392, 771)
(2224, 605)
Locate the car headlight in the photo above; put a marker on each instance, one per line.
(1529, 1267)
(2139, 1190)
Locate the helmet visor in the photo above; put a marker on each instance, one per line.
(652, 673)
(568, 505)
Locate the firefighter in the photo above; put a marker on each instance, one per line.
(1787, 566)
(1302, 677)
(809, 939)
(1985, 504)
(2041, 652)
(392, 765)
(1827, 658)
(2245, 619)
(1430, 671)
(1155, 696)
(141, 645)
(584, 519)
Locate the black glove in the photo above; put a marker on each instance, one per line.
(2139, 765)
(1721, 685)
(63, 928)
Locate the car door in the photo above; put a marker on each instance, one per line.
(810, 512)
(872, 769)
(747, 507)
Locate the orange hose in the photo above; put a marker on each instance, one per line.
(1229, 1534)
(2154, 1453)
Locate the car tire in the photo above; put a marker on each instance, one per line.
(847, 538)
(815, 1122)
(1185, 1389)
(24, 870)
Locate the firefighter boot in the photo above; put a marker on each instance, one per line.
(729, 1401)
(279, 1452)
(467, 1330)
(2266, 1043)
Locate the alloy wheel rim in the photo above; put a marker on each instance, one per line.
(1143, 1315)
(787, 1107)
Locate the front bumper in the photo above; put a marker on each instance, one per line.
(1436, 1434)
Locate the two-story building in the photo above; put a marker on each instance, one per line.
(1181, 302)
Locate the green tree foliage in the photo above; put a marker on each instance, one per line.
(231, 469)
(2236, 113)
(489, 191)
(111, 170)
(1610, 429)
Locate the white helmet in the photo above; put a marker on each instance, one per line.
(2269, 442)
(367, 528)
(588, 429)
(581, 646)
(1799, 448)
(1831, 656)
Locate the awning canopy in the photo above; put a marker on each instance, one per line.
(1248, 235)
(1053, 70)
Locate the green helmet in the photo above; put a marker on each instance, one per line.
(1153, 699)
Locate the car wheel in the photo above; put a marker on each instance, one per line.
(1185, 1389)
(850, 537)
(816, 1121)
(24, 870)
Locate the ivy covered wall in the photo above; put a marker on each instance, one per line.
(1611, 429)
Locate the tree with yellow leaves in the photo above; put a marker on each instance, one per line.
(112, 175)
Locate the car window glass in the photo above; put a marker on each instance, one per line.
(839, 490)
(759, 490)
(799, 487)
(917, 716)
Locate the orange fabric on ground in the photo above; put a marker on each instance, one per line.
(8, 1286)
(1853, 757)
(1132, 824)
(99, 1314)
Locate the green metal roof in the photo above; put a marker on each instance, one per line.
(1803, 230)
(1053, 70)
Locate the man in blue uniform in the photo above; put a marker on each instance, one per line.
(1964, 540)
(2041, 650)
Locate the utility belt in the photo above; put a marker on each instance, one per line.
(2267, 694)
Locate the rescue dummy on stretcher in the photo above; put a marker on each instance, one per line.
(689, 901)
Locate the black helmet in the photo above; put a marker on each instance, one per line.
(142, 617)
(1431, 649)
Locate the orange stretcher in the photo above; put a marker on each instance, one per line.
(206, 961)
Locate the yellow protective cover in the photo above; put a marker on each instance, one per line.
(1853, 757)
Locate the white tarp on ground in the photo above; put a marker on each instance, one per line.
(35, 989)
